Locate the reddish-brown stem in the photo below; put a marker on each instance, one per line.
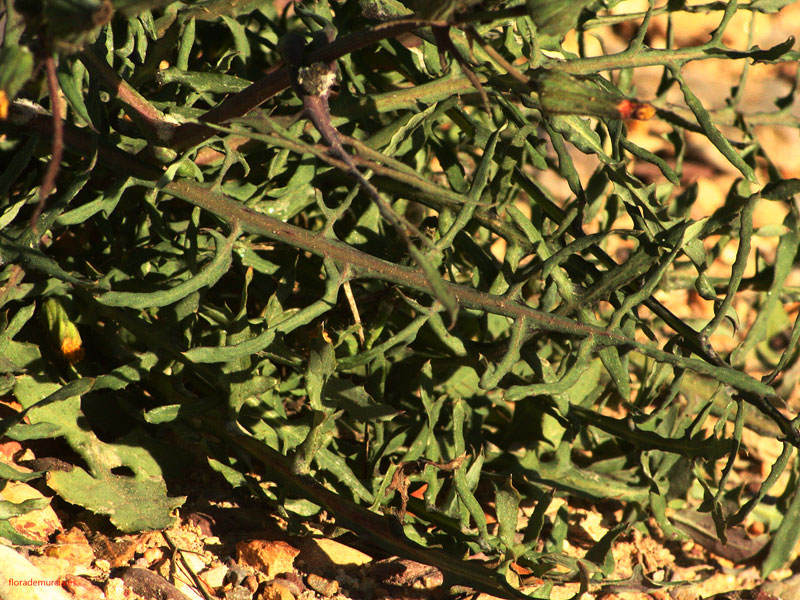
(49, 179)
(78, 139)
(148, 117)
(277, 80)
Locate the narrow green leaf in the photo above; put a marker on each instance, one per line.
(185, 45)
(778, 52)
(11, 509)
(212, 273)
(619, 374)
(321, 365)
(506, 502)
(9, 473)
(16, 68)
(578, 132)
(785, 189)
(784, 259)
(336, 465)
(710, 129)
(217, 83)
(785, 540)
(223, 354)
(601, 553)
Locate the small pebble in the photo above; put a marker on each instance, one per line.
(323, 586)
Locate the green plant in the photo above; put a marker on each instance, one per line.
(353, 318)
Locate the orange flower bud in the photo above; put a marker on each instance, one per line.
(63, 331)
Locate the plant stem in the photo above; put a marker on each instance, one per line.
(53, 167)
(277, 78)
(152, 121)
(608, 20)
(368, 266)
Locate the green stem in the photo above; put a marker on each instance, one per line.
(371, 267)
(608, 20)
